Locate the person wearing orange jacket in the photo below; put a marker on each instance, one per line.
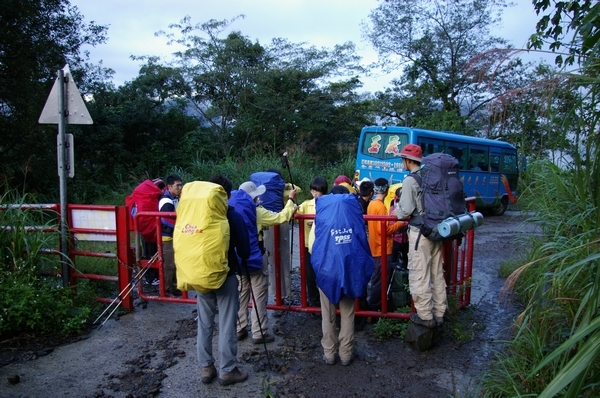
(377, 207)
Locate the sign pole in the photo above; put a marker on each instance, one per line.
(71, 110)
(62, 177)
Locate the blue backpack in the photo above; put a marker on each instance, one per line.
(243, 204)
(341, 256)
(272, 199)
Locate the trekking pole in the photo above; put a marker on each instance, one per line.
(286, 164)
(126, 290)
(262, 334)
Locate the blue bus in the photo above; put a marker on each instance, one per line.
(488, 168)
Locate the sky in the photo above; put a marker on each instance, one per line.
(323, 23)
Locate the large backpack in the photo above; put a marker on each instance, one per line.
(244, 204)
(341, 256)
(201, 237)
(442, 194)
(272, 199)
(144, 197)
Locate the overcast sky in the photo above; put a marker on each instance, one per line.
(323, 23)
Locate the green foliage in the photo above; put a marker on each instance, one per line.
(301, 167)
(32, 300)
(555, 350)
(386, 329)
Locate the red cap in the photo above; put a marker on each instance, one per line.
(413, 152)
(342, 178)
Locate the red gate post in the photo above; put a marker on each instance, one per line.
(124, 257)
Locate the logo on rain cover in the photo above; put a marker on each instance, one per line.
(341, 236)
(190, 229)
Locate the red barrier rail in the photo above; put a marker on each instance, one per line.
(457, 259)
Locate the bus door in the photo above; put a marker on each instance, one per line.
(495, 184)
(477, 177)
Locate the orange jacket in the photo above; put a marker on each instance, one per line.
(376, 207)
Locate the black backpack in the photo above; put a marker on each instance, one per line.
(442, 194)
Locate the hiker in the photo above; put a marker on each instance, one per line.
(365, 193)
(377, 207)
(226, 298)
(260, 278)
(168, 203)
(145, 197)
(400, 237)
(274, 199)
(342, 261)
(426, 275)
(318, 188)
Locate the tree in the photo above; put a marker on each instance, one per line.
(140, 130)
(439, 45)
(37, 38)
(258, 98)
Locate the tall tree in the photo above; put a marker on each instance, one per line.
(438, 45)
(259, 97)
(37, 37)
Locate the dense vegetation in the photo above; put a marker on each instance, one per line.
(228, 104)
(556, 348)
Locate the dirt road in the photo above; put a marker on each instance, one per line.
(152, 352)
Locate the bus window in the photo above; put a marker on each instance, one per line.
(495, 162)
(478, 158)
(381, 145)
(430, 146)
(459, 151)
(509, 163)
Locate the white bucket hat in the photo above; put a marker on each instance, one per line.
(252, 189)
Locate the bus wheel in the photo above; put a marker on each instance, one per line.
(500, 209)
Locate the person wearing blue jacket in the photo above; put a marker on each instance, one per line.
(168, 203)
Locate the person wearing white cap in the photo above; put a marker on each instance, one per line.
(259, 279)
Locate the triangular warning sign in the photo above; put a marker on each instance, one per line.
(77, 112)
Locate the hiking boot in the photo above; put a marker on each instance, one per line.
(328, 360)
(242, 334)
(235, 376)
(346, 362)
(267, 338)
(430, 323)
(208, 373)
(439, 320)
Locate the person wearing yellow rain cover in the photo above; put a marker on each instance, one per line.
(208, 238)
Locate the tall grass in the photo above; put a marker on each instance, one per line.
(302, 169)
(32, 299)
(556, 348)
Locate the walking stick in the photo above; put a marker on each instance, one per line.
(262, 334)
(126, 290)
(286, 164)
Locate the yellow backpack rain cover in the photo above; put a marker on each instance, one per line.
(201, 237)
(390, 195)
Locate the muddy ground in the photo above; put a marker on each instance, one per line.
(151, 352)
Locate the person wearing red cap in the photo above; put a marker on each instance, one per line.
(344, 181)
(426, 275)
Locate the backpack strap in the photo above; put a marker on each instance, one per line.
(416, 221)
